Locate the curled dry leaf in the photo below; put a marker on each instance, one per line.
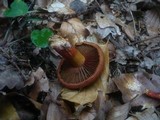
(152, 19)
(89, 94)
(74, 30)
(119, 112)
(106, 24)
(40, 81)
(129, 86)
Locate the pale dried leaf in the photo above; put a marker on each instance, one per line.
(148, 81)
(73, 28)
(40, 81)
(101, 106)
(104, 22)
(129, 86)
(145, 102)
(11, 78)
(131, 118)
(54, 113)
(43, 3)
(89, 94)
(152, 19)
(119, 112)
(147, 63)
(88, 115)
(56, 6)
(148, 114)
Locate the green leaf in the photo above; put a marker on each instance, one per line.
(18, 8)
(40, 37)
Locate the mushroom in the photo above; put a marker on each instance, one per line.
(81, 64)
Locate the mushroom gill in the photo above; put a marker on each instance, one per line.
(76, 76)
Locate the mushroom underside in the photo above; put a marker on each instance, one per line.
(79, 77)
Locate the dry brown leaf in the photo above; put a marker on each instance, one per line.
(129, 86)
(40, 81)
(119, 112)
(89, 94)
(74, 30)
(152, 19)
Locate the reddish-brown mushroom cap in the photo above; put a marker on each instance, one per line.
(81, 76)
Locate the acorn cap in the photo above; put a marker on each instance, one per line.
(79, 77)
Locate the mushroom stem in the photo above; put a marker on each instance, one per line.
(66, 50)
(72, 55)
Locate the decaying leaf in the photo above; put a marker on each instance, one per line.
(105, 24)
(89, 94)
(119, 112)
(129, 86)
(152, 19)
(148, 114)
(11, 78)
(88, 115)
(40, 81)
(101, 106)
(60, 8)
(78, 6)
(7, 110)
(43, 3)
(74, 30)
(17, 107)
(54, 113)
(145, 102)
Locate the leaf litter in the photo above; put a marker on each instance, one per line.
(128, 34)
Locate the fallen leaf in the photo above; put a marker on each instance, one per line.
(8, 112)
(54, 113)
(59, 8)
(148, 114)
(40, 81)
(78, 6)
(43, 3)
(73, 28)
(129, 86)
(11, 78)
(152, 20)
(89, 94)
(88, 115)
(101, 106)
(103, 21)
(119, 112)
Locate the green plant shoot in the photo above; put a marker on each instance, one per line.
(40, 37)
(17, 8)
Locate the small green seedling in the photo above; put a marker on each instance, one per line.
(40, 37)
(18, 8)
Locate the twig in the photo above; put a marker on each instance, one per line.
(146, 39)
(13, 63)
